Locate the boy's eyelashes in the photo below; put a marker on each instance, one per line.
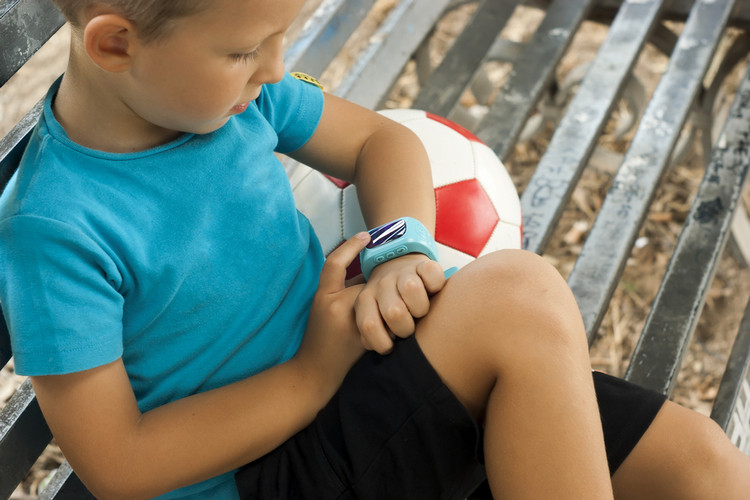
(245, 57)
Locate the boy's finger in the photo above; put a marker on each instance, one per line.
(396, 315)
(375, 336)
(333, 275)
(414, 294)
(432, 276)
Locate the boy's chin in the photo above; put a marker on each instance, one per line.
(208, 128)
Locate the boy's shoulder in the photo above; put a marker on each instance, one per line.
(293, 107)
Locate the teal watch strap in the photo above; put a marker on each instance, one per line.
(394, 239)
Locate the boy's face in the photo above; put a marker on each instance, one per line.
(210, 66)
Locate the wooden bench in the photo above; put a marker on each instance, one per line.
(685, 93)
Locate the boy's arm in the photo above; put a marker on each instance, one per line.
(388, 164)
(384, 159)
(120, 452)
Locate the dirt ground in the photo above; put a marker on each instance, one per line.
(698, 381)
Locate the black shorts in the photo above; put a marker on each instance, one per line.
(394, 431)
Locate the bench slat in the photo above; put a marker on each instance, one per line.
(13, 144)
(678, 9)
(65, 485)
(732, 405)
(555, 177)
(324, 34)
(453, 75)
(24, 27)
(5, 350)
(679, 301)
(531, 75)
(377, 68)
(23, 436)
(604, 255)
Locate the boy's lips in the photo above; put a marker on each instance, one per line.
(239, 108)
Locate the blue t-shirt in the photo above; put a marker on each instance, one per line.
(188, 260)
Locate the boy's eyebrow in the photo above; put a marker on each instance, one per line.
(245, 48)
(254, 44)
(260, 39)
(244, 44)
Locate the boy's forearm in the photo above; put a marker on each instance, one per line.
(394, 179)
(250, 418)
(119, 452)
(384, 159)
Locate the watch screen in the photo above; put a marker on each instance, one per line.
(387, 232)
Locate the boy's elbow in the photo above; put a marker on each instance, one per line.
(119, 492)
(111, 494)
(113, 482)
(114, 489)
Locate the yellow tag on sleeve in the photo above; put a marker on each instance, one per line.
(307, 78)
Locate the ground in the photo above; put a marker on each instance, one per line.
(698, 381)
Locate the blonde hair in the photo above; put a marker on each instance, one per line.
(151, 17)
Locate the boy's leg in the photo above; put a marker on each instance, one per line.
(626, 412)
(392, 431)
(504, 341)
(683, 455)
(506, 338)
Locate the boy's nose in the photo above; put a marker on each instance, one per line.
(276, 71)
(272, 68)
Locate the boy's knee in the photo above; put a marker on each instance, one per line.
(527, 284)
(688, 454)
(522, 294)
(713, 467)
(713, 455)
(517, 273)
(507, 313)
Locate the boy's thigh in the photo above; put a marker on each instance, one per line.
(393, 430)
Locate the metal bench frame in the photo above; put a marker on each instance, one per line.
(26, 24)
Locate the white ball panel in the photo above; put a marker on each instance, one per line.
(296, 172)
(504, 236)
(320, 201)
(497, 183)
(448, 151)
(353, 222)
(450, 257)
(403, 115)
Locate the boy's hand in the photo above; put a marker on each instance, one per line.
(331, 344)
(397, 293)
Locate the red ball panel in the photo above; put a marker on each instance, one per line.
(338, 182)
(466, 217)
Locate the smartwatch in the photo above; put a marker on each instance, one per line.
(394, 239)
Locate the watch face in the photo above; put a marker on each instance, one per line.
(387, 232)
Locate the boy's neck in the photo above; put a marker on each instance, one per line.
(93, 116)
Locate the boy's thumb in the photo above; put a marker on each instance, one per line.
(333, 275)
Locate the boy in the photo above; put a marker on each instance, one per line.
(178, 322)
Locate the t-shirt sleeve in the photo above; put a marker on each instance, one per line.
(293, 108)
(59, 296)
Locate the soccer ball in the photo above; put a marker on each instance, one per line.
(478, 210)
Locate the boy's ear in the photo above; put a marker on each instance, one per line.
(109, 40)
